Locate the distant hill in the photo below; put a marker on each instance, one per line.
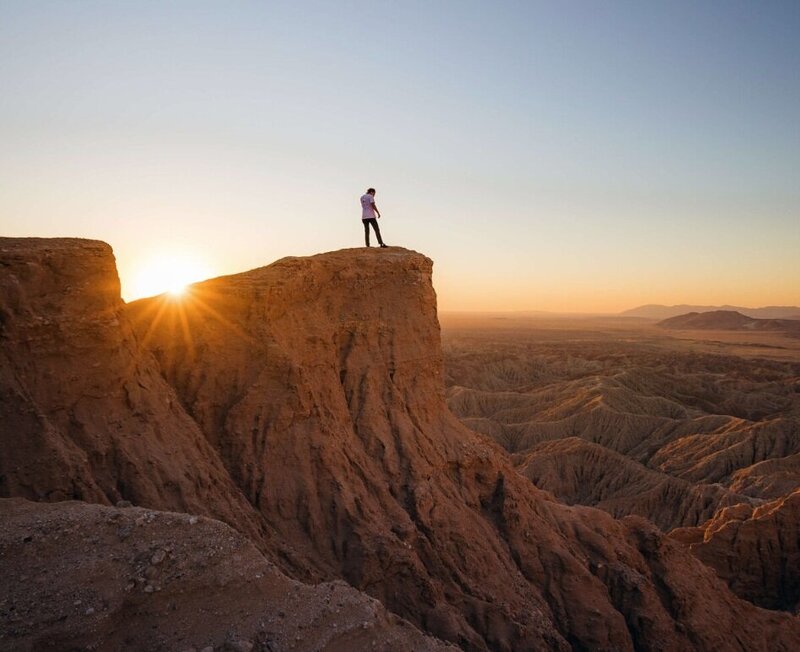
(729, 320)
(656, 311)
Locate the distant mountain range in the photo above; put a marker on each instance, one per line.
(728, 320)
(655, 311)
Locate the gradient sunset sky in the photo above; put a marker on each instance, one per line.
(566, 156)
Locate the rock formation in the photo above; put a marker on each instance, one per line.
(100, 578)
(85, 411)
(310, 396)
(580, 472)
(755, 550)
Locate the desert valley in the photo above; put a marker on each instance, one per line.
(696, 430)
(301, 457)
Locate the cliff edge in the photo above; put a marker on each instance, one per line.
(304, 401)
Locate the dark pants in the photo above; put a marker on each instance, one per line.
(375, 226)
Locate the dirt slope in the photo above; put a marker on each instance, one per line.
(101, 578)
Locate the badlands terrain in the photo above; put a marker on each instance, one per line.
(696, 430)
(289, 459)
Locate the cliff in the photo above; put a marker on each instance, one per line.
(309, 398)
(320, 381)
(85, 411)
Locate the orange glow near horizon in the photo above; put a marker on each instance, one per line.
(167, 272)
(164, 271)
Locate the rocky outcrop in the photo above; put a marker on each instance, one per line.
(85, 412)
(755, 550)
(101, 578)
(313, 402)
(320, 382)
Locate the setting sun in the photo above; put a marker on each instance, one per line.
(170, 273)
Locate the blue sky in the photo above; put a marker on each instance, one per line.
(557, 156)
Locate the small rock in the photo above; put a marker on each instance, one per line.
(149, 588)
(124, 503)
(158, 557)
(193, 520)
(208, 648)
(89, 611)
(77, 603)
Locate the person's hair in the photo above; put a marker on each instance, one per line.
(370, 190)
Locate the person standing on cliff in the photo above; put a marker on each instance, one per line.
(369, 215)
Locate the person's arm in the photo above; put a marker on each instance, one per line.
(375, 207)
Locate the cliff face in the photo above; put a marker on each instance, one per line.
(320, 382)
(304, 404)
(85, 412)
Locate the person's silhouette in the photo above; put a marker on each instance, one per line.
(369, 213)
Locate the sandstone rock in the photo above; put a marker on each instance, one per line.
(308, 403)
(184, 614)
(85, 412)
(755, 550)
(320, 382)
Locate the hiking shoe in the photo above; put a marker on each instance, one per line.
(383, 246)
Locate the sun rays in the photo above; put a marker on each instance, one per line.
(180, 315)
(169, 273)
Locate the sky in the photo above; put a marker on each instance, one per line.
(563, 156)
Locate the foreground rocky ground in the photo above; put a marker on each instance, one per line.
(104, 578)
(303, 404)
